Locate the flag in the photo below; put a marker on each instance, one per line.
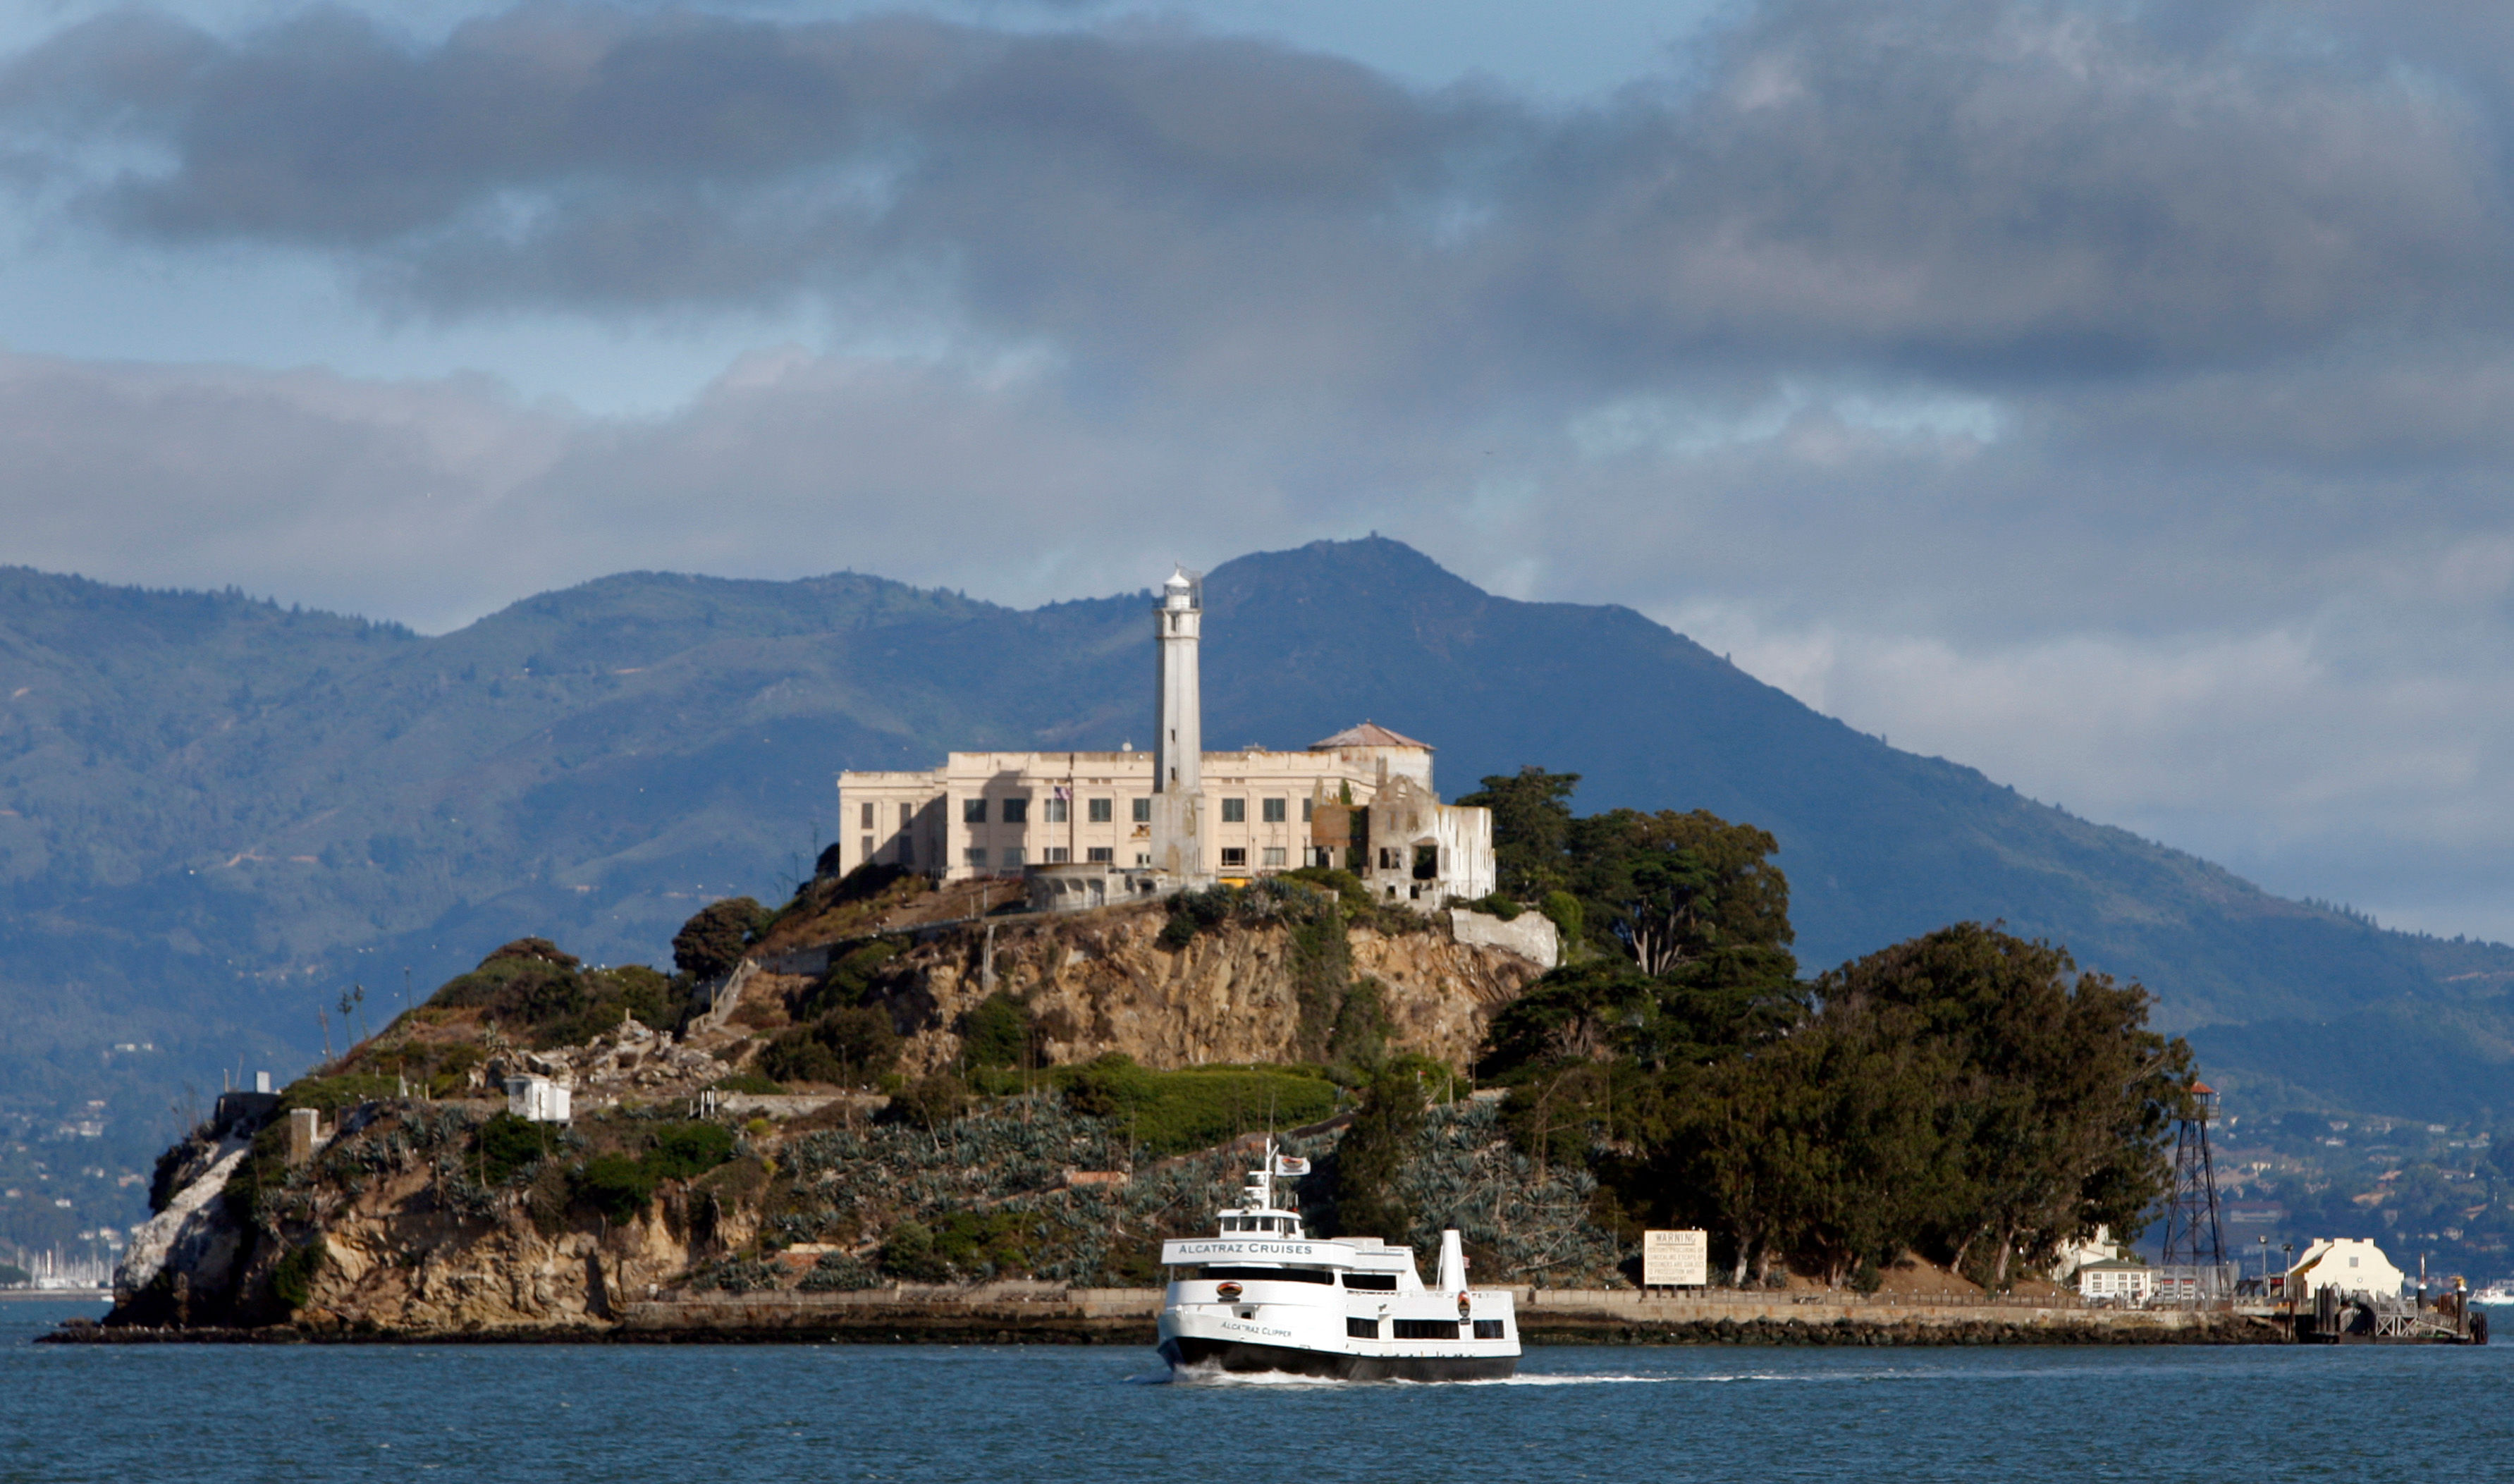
(1290, 1164)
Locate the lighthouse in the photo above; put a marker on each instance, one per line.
(1178, 751)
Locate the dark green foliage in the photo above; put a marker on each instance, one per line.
(931, 1101)
(262, 1171)
(713, 940)
(850, 977)
(684, 1149)
(742, 1276)
(846, 1047)
(617, 1186)
(14, 1276)
(329, 1094)
(549, 998)
(749, 1082)
(908, 1253)
(1172, 1112)
(1569, 918)
(1348, 888)
(1497, 904)
(506, 1145)
(1359, 1036)
(1370, 1160)
(998, 1033)
(1532, 827)
(292, 1279)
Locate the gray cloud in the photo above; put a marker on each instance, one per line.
(2113, 397)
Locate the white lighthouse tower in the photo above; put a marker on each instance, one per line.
(1178, 754)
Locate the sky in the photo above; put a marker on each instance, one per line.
(2116, 398)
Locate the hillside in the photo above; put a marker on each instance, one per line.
(215, 814)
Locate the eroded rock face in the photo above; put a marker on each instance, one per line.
(1101, 982)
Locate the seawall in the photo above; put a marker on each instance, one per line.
(1048, 1313)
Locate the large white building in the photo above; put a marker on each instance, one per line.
(1087, 827)
(2350, 1264)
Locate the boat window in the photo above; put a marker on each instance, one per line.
(1362, 1329)
(1376, 1282)
(1487, 1329)
(1270, 1275)
(1428, 1329)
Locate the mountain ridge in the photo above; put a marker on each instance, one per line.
(220, 813)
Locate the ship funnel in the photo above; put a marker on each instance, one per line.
(1454, 1265)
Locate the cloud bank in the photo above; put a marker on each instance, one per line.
(2114, 397)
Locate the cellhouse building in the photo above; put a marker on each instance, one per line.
(1086, 828)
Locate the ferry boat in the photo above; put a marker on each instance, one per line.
(1262, 1295)
(2501, 1292)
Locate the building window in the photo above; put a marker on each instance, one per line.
(1056, 811)
(1233, 856)
(866, 854)
(1144, 857)
(868, 815)
(1058, 854)
(1273, 855)
(1101, 811)
(1361, 1329)
(907, 854)
(1271, 810)
(1143, 811)
(1012, 857)
(1386, 859)
(973, 811)
(1101, 855)
(1308, 808)
(1234, 811)
(975, 855)
(1017, 811)
(1487, 1329)
(906, 814)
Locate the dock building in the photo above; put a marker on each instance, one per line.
(1085, 828)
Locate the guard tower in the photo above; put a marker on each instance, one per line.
(2194, 1269)
(1178, 750)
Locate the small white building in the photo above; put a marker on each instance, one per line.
(2350, 1264)
(536, 1100)
(2077, 1252)
(2116, 1280)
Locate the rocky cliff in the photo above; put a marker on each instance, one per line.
(410, 1202)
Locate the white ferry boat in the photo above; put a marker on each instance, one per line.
(1259, 1295)
(2501, 1292)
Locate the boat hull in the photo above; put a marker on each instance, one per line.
(1242, 1357)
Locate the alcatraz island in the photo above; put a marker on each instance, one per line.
(1035, 1010)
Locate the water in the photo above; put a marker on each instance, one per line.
(485, 1415)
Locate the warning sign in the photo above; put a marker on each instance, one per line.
(1676, 1259)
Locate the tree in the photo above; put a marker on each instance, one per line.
(1531, 814)
(712, 941)
(1371, 1157)
(1671, 888)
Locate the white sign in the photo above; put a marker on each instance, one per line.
(1676, 1259)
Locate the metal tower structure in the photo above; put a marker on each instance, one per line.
(2194, 1269)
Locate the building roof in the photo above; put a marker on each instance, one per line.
(1370, 734)
(2111, 1264)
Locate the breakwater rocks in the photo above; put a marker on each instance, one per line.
(1046, 1313)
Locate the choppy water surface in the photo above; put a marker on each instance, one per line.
(698, 1412)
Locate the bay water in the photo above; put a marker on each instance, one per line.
(492, 1413)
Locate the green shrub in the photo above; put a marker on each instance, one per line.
(292, 1281)
(931, 1101)
(1498, 905)
(998, 1032)
(616, 1186)
(508, 1145)
(713, 940)
(329, 1094)
(850, 977)
(844, 1046)
(1348, 888)
(14, 1276)
(743, 1275)
(549, 998)
(908, 1253)
(749, 1082)
(684, 1149)
(1173, 1112)
(1568, 915)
